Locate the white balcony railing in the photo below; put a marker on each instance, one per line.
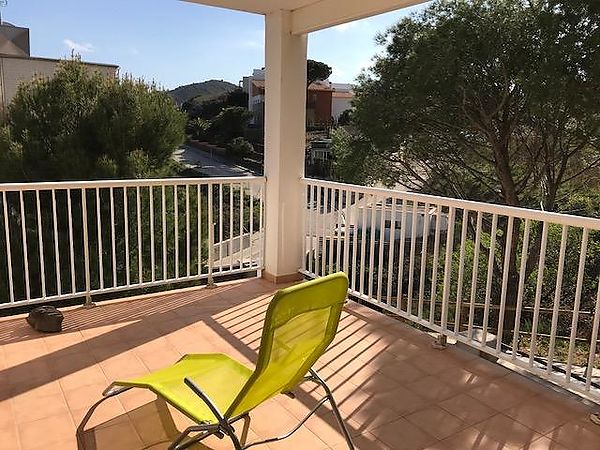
(518, 284)
(78, 239)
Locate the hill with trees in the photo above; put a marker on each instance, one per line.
(203, 91)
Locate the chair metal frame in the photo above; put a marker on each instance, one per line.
(224, 427)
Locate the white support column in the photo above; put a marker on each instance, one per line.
(285, 141)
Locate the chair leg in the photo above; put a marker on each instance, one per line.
(245, 429)
(234, 439)
(341, 423)
(335, 408)
(179, 444)
(107, 394)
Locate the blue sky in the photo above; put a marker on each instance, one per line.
(174, 42)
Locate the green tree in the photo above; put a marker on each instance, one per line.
(316, 71)
(240, 147)
(490, 100)
(494, 100)
(230, 123)
(80, 125)
(198, 128)
(11, 156)
(208, 108)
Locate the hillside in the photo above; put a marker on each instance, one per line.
(205, 90)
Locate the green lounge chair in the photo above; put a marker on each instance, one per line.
(215, 391)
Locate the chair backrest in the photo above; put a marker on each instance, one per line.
(300, 323)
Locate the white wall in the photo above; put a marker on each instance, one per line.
(339, 105)
(14, 71)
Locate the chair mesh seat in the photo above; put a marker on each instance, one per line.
(219, 376)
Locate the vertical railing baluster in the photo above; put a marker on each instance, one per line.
(71, 246)
(382, 227)
(40, 243)
(86, 248)
(322, 215)
(176, 224)
(355, 210)
(126, 228)
(577, 304)
(593, 343)
(338, 231)
(9, 267)
(199, 226)
(327, 225)
(434, 270)
(490, 274)
(330, 229)
(412, 256)
(25, 250)
(391, 252)
(448, 268)
(164, 233)
(251, 190)
(505, 272)
(372, 238)
(56, 244)
(521, 287)
(557, 294)
(475, 273)
(347, 233)
(308, 236)
(241, 226)
(220, 227)
(152, 249)
(188, 249)
(113, 237)
(261, 219)
(211, 236)
(461, 272)
(401, 252)
(363, 246)
(538, 294)
(423, 267)
(230, 227)
(99, 237)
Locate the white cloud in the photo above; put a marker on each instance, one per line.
(79, 47)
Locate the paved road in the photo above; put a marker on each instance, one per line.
(209, 165)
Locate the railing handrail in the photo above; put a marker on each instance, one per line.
(491, 208)
(142, 182)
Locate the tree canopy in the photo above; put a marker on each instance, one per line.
(208, 108)
(316, 71)
(81, 125)
(493, 100)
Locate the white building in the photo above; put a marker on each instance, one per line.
(18, 66)
(326, 101)
(341, 100)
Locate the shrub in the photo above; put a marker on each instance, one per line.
(240, 147)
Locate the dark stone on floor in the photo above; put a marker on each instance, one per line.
(46, 319)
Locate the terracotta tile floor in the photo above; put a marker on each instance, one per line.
(394, 389)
